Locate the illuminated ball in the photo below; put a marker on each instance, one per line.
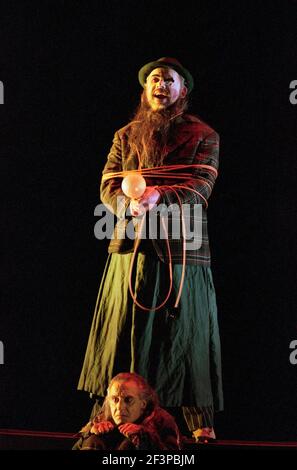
(133, 185)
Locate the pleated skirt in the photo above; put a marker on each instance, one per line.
(176, 350)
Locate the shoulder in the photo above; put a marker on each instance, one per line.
(162, 419)
(125, 130)
(198, 126)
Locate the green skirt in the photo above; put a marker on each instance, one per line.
(176, 350)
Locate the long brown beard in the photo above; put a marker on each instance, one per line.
(151, 131)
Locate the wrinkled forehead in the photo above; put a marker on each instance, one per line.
(123, 389)
(164, 72)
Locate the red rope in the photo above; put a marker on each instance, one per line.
(131, 271)
(164, 171)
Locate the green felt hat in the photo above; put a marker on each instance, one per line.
(166, 62)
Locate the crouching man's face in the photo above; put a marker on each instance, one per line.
(125, 403)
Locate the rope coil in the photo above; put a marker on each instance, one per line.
(165, 172)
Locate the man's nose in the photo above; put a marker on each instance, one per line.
(121, 405)
(162, 82)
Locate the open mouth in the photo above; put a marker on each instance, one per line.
(161, 97)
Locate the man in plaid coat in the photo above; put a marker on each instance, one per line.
(175, 347)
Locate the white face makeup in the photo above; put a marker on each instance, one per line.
(163, 88)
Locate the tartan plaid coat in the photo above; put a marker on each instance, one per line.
(194, 142)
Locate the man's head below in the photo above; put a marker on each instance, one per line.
(129, 397)
(165, 81)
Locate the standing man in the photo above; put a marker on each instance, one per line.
(175, 347)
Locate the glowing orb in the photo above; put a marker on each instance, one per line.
(133, 185)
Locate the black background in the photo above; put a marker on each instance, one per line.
(69, 70)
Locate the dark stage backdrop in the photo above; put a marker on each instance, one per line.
(69, 74)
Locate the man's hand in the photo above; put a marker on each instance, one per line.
(132, 431)
(102, 427)
(146, 202)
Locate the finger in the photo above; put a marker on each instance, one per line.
(94, 430)
(123, 428)
(128, 429)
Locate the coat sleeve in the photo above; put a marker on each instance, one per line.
(203, 179)
(111, 193)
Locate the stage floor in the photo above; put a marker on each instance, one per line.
(21, 439)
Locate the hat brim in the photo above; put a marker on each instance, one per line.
(148, 68)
